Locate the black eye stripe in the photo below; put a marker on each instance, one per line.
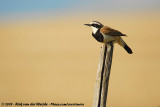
(95, 25)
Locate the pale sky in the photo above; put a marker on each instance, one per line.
(9, 8)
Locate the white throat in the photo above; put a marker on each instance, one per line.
(94, 30)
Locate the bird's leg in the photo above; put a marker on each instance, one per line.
(110, 42)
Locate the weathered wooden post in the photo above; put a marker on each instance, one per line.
(102, 78)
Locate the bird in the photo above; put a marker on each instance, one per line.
(105, 34)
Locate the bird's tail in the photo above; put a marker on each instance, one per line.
(125, 46)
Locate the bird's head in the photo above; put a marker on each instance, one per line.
(95, 25)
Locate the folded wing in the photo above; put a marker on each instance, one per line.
(112, 32)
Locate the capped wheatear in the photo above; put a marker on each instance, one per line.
(106, 34)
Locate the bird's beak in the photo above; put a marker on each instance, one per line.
(87, 24)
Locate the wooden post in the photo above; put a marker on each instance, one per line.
(102, 78)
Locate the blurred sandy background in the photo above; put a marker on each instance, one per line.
(55, 58)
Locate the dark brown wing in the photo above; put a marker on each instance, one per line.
(109, 31)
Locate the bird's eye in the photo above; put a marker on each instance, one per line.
(94, 25)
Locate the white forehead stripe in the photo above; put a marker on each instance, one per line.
(95, 23)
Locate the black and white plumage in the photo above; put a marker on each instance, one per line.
(106, 34)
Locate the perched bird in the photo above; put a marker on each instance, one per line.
(106, 34)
